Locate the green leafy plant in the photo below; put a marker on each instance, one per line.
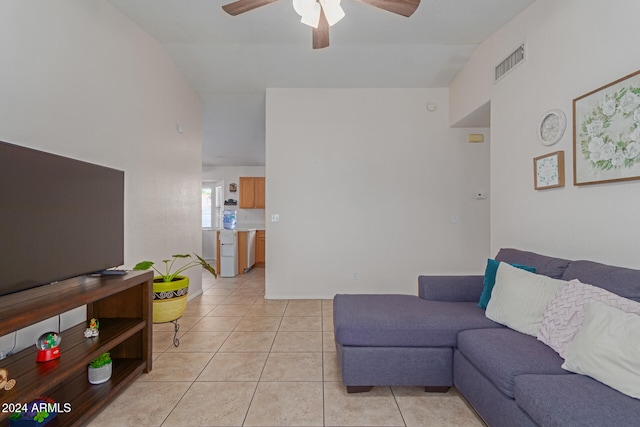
(100, 361)
(169, 275)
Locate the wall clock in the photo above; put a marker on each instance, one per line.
(552, 127)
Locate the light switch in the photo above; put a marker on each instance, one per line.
(275, 217)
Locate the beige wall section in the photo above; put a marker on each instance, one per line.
(366, 182)
(81, 80)
(471, 89)
(573, 47)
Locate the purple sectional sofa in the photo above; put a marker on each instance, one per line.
(441, 338)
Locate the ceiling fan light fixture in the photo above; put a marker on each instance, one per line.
(309, 11)
(332, 10)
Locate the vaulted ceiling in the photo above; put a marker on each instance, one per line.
(230, 61)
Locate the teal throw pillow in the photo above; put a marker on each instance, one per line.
(490, 280)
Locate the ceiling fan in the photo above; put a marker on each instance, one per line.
(321, 14)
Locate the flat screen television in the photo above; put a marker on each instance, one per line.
(59, 218)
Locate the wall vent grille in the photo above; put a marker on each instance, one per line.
(515, 58)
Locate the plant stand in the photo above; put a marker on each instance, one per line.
(169, 302)
(176, 328)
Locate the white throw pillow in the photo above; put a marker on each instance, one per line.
(607, 348)
(520, 298)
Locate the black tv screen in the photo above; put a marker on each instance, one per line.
(59, 218)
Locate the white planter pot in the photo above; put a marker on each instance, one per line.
(100, 375)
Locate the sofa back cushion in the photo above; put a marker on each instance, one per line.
(622, 281)
(545, 265)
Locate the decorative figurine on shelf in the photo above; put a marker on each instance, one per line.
(47, 346)
(5, 382)
(92, 330)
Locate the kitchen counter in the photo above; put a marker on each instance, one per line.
(262, 228)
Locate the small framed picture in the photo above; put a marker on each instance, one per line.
(233, 187)
(548, 171)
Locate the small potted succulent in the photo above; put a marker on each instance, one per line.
(170, 289)
(100, 369)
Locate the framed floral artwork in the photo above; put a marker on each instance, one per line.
(548, 171)
(606, 133)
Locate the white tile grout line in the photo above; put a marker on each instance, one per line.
(246, 414)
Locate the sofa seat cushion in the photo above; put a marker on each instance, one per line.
(503, 354)
(574, 400)
(403, 321)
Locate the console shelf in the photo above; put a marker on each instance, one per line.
(123, 307)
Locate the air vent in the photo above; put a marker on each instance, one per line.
(516, 57)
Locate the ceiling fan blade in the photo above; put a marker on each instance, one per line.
(321, 34)
(401, 7)
(242, 6)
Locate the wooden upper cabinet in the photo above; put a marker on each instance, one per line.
(259, 193)
(251, 193)
(247, 193)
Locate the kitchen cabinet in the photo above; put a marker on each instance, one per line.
(260, 248)
(252, 190)
(242, 251)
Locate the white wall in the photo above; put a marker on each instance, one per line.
(472, 86)
(366, 181)
(246, 218)
(209, 234)
(81, 80)
(573, 47)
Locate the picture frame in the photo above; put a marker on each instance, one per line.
(606, 133)
(548, 171)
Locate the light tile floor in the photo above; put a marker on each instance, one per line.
(247, 361)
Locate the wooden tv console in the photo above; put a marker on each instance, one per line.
(122, 304)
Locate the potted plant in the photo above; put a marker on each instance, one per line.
(170, 289)
(100, 369)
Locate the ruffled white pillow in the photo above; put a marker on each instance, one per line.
(564, 316)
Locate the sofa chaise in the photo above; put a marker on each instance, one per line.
(442, 338)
